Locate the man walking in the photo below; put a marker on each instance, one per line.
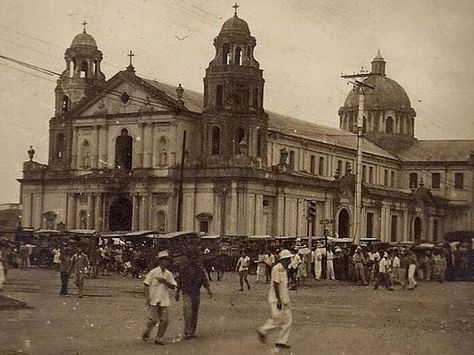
(318, 259)
(359, 260)
(243, 269)
(79, 266)
(190, 280)
(157, 283)
(64, 269)
(279, 299)
(383, 276)
(412, 259)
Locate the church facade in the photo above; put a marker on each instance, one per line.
(122, 151)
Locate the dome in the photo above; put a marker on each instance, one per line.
(235, 25)
(388, 94)
(84, 40)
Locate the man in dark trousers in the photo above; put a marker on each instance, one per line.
(190, 280)
(64, 269)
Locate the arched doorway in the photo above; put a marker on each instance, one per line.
(120, 214)
(417, 229)
(343, 224)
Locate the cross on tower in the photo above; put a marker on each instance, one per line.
(235, 9)
(84, 24)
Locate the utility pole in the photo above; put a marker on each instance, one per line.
(179, 212)
(360, 87)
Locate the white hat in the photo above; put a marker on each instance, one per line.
(163, 254)
(285, 254)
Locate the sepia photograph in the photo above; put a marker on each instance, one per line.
(254, 177)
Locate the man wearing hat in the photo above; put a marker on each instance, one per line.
(279, 299)
(157, 283)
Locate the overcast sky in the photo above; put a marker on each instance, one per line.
(302, 46)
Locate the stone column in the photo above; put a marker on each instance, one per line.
(98, 210)
(136, 212)
(75, 131)
(406, 225)
(72, 207)
(144, 211)
(95, 157)
(140, 145)
(148, 145)
(90, 211)
(104, 147)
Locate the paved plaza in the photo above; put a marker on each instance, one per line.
(328, 318)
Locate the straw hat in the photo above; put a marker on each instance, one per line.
(285, 254)
(164, 254)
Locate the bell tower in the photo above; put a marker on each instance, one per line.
(81, 78)
(235, 121)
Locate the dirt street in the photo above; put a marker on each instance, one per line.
(328, 318)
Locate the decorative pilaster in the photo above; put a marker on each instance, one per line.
(99, 211)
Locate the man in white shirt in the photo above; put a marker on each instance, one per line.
(330, 266)
(293, 269)
(318, 258)
(279, 299)
(383, 274)
(157, 283)
(243, 269)
(269, 261)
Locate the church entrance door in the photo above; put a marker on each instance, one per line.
(343, 224)
(120, 214)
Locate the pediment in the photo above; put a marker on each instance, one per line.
(123, 94)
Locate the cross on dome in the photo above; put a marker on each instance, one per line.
(235, 9)
(84, 24)
(130, 65)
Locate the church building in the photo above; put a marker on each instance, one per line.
(121, 150)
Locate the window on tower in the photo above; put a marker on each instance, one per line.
(215, 140)
(312, 164)
(238, 56)
(321, 166)
(292, 159)
(413, 180)
(389, 125)
(239, 138)
(60, 146)
(256, 94)
(84, 69)
(259, 144)
(66, 103)
(225, 54)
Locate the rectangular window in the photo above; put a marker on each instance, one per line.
(413, 180)
(348, 167)
(392, 179)
(435, 180)
(370, 225)
(385, 177)
(459, 181)
(312, 166)
(339, 167)
(371, 174)
(394, 229)
(435, 230)
(364, 168)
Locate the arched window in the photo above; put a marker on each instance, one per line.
(389, 125)
(123, 151)
(219, 97)
(85, 155)
(83, 219)
(161, 222)
(238, 56)
(312, 164)
(339, 167)
(60, 146)
(225, 54)
(371, 174)
(321, 166)
(239, 138)
(163, 150)
(84, 70)
(65, 104)
(215, 140)
(96, 67)
(292, 159)
(385, 177)
(413, 180)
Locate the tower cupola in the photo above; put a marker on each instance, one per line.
(82, 75)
